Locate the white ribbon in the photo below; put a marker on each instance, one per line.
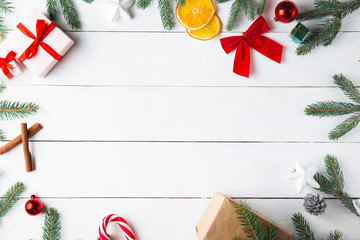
(118, 8)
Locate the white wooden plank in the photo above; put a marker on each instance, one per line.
(162, 218)
(94, 19)
(177, 114)
(171, 169)
(135, 59)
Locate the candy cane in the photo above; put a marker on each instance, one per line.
(129, 234)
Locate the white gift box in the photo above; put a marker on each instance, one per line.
(6, 72)
(51, 47)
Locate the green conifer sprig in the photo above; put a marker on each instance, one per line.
(334, 183)
(52, 225)
(13, 110)
(10, 198)
(334, 11)
(6, 8)
(245, 6)
(252, 228)
(304, 231)
(331, 108)
(69, 11)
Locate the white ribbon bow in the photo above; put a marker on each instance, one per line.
(119, 8)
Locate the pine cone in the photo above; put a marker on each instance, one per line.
(314, 203)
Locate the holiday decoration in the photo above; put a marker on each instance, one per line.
(331, 108)
(242, 5)
(286, 11)
(9, 66)
(16, 141)
(315, 204)
(251, 38)
(299, 33)
(304, 231)
(27, 155)
(34, 206)
(129, 234)
(52, 225)
(211, 30)
(334, 11)
(39, 43)
(334, 183)
(221, 221)
(118, 9)
(304, 177)
(8, 200)
(5, 8)
(69, 11)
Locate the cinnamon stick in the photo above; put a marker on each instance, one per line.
(16, 141)
(25, 142)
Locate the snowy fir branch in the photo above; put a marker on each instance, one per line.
(68, 9)
(304, 231)
(334, 11)
(10, 198)
(252, 228)
(52, 225)
(334, 183)
(245, 6)
(331, 108)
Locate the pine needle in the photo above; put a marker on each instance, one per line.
(331, 108)
(248, 9)
(70, 13)
(181, 2)
(2, 135)
(52, 225)
(88, 1)
(167, 14)
(221, 1)
(3, 29)
(143, 3)
(347, 86)
(2, 86)
(335, 235)
(233, 16)
(261, 7)
(270, 232)
(10, 198)
(344, 127)
(14, 110)
(334, 183)
(302, 227)
(249, 221)
(6, 7)
(51, 6)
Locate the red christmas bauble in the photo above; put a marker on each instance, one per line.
(286, 11)
(33, 206)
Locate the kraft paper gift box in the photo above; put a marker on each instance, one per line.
(38, 42)
(220, 221)
(8, 64)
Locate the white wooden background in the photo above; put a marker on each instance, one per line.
(148, 123)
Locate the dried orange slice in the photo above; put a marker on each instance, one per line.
(195, 14)
(211, 30)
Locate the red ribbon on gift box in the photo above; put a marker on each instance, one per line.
(251, 38)
(42, 31)
(6, 66)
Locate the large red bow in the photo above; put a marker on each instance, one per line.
(6, 66)
(42, 31)
(251, 38)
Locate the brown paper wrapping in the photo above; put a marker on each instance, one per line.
(220, 221)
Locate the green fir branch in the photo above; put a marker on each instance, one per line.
(3, 29)
(2, 135)
(70, 13)
(248, 9)
(233, 15)
(335, 11)
(347, 87)
(181, 2)
(221, 1)
(52, 225)
(51, 7)
(334, 183)
(261, 7)
(2, 86)
(249, 221)
(14, 110)
(6, 7)
(331, 108)
(143, 4)
(88, 1)
(10, 198)
(167, 14)
(270, 232)
(335, 235)
(302, 227)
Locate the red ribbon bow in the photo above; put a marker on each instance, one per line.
(6, 66)
(42, 31)
(251, 38)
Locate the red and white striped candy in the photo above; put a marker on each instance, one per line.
(129, 234)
